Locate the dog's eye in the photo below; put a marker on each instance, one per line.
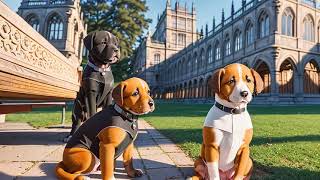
(232, 81)
(248, 79)
(135, 93)
(149, 92)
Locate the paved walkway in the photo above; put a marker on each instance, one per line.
(31, 154)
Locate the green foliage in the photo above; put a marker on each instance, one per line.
(123, 18)
(121, 70)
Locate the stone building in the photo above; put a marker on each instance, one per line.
(278, 38)
(59, 21)
(175, 30)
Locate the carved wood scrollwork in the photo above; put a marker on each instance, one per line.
(16, 43)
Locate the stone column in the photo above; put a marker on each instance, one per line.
(298, 88)
(274, 76)
(274, 86)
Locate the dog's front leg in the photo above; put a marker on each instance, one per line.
(107, 152)
(128, 162)
(243, 162)
(211, 153)
(110, 138)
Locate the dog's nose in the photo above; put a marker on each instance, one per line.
(151, 103)
(244, 93)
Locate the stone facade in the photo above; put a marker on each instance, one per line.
(277, 38)
(176, 29)
(59, 21)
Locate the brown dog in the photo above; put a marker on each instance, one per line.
(227, 130)
(108, 134)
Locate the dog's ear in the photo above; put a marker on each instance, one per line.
(214, 82)
(117, 93)
(258, 83)
(88, 41)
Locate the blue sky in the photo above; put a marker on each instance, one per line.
(206, 9)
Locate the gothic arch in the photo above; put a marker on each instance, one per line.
(260, 57)
(36, 20)
(263, 69)
(289, 58)
(287, 73)
(261, 32)
(202, 57)
(287, 12)
(311, 77)
(195, 62)
(208, 91)
(48, 18)
(195, 88)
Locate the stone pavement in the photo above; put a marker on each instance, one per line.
(31, 154)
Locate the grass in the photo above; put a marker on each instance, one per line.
(286, 143)
(42, 117)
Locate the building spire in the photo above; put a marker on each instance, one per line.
(193, 8)
(222, 17)
(213, 23)
(244, 2)
(176, 5)
(168, 3)
(232, 8)
(207, 30)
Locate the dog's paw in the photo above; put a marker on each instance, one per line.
(86, 178)
(135, 173)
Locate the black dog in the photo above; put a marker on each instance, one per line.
(97, 78)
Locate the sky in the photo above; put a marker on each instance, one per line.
(206, 9)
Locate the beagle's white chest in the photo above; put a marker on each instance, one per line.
(229, 133)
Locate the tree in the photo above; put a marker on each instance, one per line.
(123, 18)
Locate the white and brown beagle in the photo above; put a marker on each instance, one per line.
(227, 130)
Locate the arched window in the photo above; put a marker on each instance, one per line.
(287, 23)
(264, 25)
(203, 59)
(217, 51)
(156, 58)
(34, 22)
(238, 41)
(264, 72)
(195, 62)
(185, 67)
(189, 64)
(286, 78)
(55, 28)
(209, 55)
(249, 34)
(308, 26)
(311, 82)
(227, 46)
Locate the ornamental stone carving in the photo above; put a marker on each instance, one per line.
(14, 42)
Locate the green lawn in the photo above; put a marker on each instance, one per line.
(286, 143)
(43, 117)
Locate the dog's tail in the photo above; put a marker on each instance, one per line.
(64, 175)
